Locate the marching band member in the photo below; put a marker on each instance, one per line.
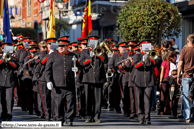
(93, 79)
(8, 64)
(29, 69)
(60, 79)
(113, 88)
(144, 69)
(40, 74)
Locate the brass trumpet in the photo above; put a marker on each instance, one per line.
(99, 51)
(153, 54)
(109, 74)
(7, 57)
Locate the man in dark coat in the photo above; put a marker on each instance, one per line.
(144, 81)
(113, 87)
(29, 70)
(7, 84)
(40, 74)
(60, 79)
(93, 78)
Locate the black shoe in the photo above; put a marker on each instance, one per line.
(119, 111)
(98, 121)
(8, 119)
(126, 115)
(30, 113)
(38, 114)
(111, 109)
(23, 109)
(141, 122)
(88, 120)
(104, 107)
(172, 117)
(180, 116)
(148, 123)
(82, 117)
(132, 116)
(42, 117)
(69, 123)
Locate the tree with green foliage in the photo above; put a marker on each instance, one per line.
(148, 19)
(26, 32)
(61, 24)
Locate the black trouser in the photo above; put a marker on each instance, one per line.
(23, 91)
(133, 100)
(29, 94)
(93, 90)
(6, 99)
(174, 105)
(114, 96)
(126, 99)
(105, 96)
(67, 95)
(144, 98)
(81, 99)
(46, 99)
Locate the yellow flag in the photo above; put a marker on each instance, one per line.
(1, 8)
(51, 26)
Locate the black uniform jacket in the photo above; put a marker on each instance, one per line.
(144, 71)
(29, 69)
(7, 72)
(126, 70)
(23, 55)
(112, 64)
(59, 69)
(93, 72)
(40, 69)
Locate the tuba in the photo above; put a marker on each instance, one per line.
(153, 54)
(103, 44)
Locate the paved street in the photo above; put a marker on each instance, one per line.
(111, 120)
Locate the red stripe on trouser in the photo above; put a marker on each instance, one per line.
(15, 94)
(35, 101)
(121, 93)
(42, 99)
(135, 99)
(20, 96)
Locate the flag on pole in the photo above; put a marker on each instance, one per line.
(1, 8)
(87, 20)
(51, 26)
(6, 23)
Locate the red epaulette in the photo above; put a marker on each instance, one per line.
(45, 60)
(102, 58)
(1, 61)
(113, 70)
(133, 63)
(123, 72)
(27, 73)
(139, 65)
(38, 61)
(120, 67)
(79, 61)
(87, 61)
(12, 64)
(90, 49)
(143, 53)
(152, 60)
(156, 72)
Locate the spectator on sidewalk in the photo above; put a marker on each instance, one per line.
(186, 63)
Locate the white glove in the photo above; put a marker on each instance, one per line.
(50, 85)
(74, 69)
(143, 58)
(4, 55)
(51, 51)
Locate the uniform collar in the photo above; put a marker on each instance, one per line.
(48, 51)
(65, 53)
(143, 53)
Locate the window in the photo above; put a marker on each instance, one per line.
(28, 8)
